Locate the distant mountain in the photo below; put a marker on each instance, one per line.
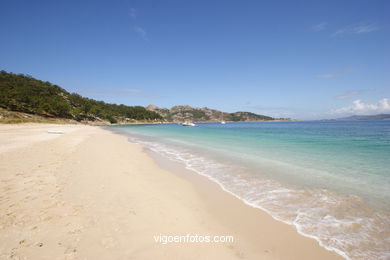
(372, 117)
(204, 114)
(24, 98)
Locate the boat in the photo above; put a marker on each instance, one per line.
(188, 124)
(222, 121)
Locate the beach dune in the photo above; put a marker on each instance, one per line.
(90, 194)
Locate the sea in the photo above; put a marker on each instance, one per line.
(330, 179)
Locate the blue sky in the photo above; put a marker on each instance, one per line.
(299, 59)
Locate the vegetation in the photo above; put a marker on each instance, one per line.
(40, 101)
(249, 116)
(187, 113)
(23, 93)
(12, 117)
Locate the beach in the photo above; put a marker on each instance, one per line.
(90, 194)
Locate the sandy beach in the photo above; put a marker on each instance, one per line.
(90, 194)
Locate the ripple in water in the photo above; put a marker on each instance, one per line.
(344, 224)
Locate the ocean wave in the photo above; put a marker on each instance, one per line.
(344, 224)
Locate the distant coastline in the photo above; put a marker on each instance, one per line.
(26, 99)
(367, 117)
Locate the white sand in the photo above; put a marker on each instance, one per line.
(89, 194)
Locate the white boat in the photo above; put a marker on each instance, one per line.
(188, 124)
(222, 121)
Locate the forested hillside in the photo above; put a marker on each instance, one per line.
(26, 94)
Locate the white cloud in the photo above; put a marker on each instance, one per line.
(354, 93)
(319, 27)
(335, 73)
(349, 94)
(133, 13)
(326, 75)
(357, 29)
(141, 31)
(365, 29)
(358, 107)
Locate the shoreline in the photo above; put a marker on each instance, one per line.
(91, 194)
(208, 188)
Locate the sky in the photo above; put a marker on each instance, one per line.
(297, 59)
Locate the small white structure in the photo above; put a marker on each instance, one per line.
(188, 124)
(56, 131)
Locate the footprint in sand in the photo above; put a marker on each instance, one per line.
(70, 250)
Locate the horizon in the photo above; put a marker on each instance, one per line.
(301, 60)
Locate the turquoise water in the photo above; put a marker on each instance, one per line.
(331, 179)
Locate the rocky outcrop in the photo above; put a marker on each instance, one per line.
(187, 113)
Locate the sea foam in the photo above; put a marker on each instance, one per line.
(342, 223)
